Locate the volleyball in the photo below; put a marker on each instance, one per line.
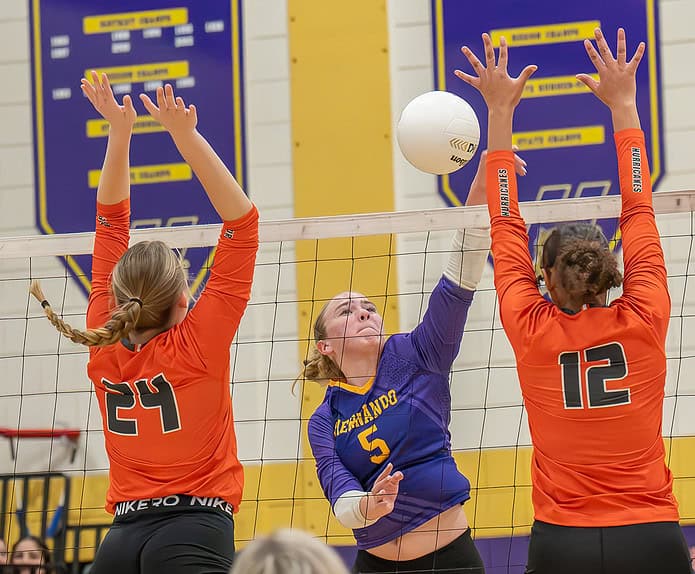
(438, 132)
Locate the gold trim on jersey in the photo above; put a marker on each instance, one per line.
(363, 390)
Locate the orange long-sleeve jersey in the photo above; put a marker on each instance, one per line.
(592, 382)
(165, 406)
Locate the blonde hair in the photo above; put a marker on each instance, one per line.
(146, 283)
(288, 552)
(318, 367)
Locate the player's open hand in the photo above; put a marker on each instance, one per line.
(477, 194)
(500, 91)
(617, 85)
(171, 111)
(99, 92)
(382, 497)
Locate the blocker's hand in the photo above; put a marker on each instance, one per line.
(171, 111)
(500, 91)
(617, 85)
(100, 94)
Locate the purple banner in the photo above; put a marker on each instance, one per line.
(195, 46)
(562, 130)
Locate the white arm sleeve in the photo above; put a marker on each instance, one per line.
(347, 510)
(469, 250)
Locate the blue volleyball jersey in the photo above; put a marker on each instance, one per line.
(401, 416)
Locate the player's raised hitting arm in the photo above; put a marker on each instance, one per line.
(645, 284)
(437, 339)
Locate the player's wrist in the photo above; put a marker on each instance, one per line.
(368, 507)
(503, 111)
(182, 134)
(120, 131)
(625, 116)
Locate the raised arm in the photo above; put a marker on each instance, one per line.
(645, 285)
(113, 193)
(437, 339)
(522, 309)
(225, 194)
(213, 322)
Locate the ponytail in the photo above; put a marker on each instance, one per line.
(318, 367)
(121, 323)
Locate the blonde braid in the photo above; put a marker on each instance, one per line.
(122, 321)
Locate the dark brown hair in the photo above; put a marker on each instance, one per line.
(42, 547)
(579, 253)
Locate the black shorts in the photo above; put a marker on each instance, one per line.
(651, 548)
(459, 557)
(177, 539)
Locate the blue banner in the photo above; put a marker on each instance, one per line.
(563, 131)
(195, 46)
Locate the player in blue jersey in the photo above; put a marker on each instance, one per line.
(380, 438)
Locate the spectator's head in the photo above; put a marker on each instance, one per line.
(3, 552)
(30, 551)
(288, 552)
(692, 557)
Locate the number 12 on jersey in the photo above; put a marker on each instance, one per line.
(595, 376)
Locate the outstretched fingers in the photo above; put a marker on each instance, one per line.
(519, 164)
(106, 85)
(169, 96)
(193, 112)
(527, 72)
(489, 52)
(161, 99)
(603, 47)
(149, 105)
(588, 81)
(88, 90)
(594, 56)
(504, 54)
(470, 80)
(637, 58)
(128, 103)
(475, 63)
(621, 50)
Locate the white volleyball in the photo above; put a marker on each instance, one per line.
(438, 132)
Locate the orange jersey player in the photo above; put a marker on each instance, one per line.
(592, 375)
(161, 373)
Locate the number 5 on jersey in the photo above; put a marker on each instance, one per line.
(614, 369)
(370, 445)
(122, 397)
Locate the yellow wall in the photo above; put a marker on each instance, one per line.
(500, 497)
(342, 163)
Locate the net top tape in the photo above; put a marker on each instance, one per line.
(312, 228)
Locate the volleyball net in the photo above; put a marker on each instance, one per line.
(53, 474)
